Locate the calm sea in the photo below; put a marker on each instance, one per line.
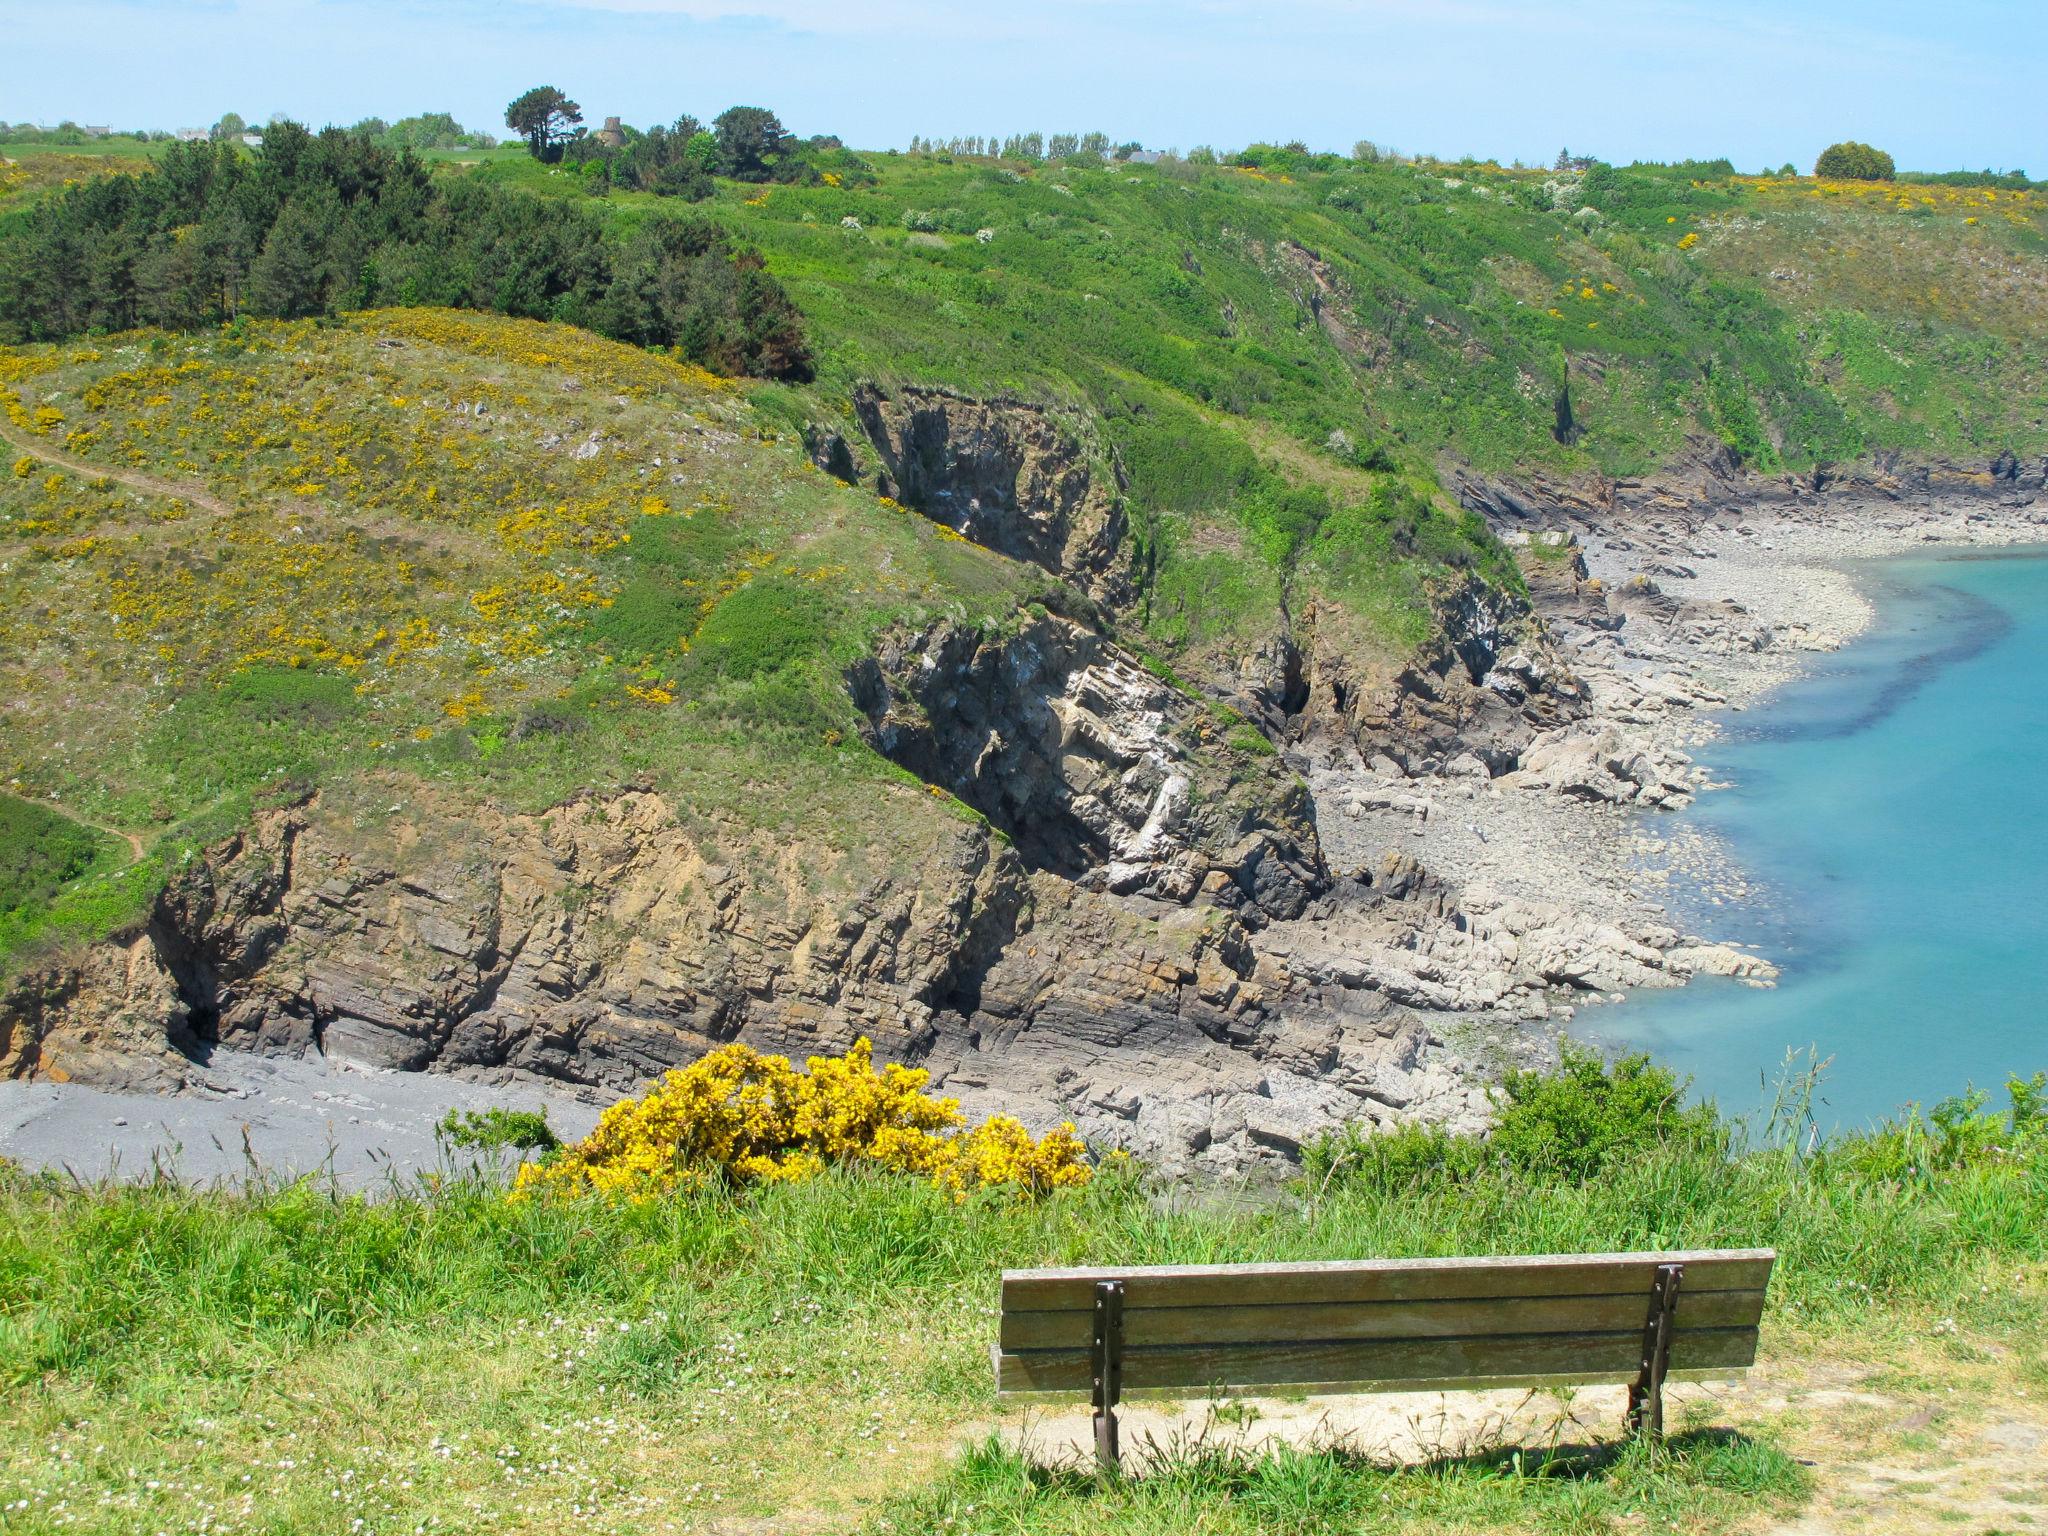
(1893, 806)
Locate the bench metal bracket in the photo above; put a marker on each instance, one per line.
(1107, 1357)
(1646, 1394)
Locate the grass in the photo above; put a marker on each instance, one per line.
(418, 549)
(523, 561)
(1699, 1480)
(504, 557)
(1241, 336)
(298, 1359)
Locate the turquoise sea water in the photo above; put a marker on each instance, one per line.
(1893, 807)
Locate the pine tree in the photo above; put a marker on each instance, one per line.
(289, 277)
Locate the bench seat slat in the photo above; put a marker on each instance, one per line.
(1388, 1364)
(1226, 1285)
(1330, 1321)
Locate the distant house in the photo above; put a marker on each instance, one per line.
(92, 131)
(253, 140)
(191, 135)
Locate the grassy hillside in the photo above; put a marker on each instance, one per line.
(1441, 310)
(1264, 346)
(239, 561)
(511, 557)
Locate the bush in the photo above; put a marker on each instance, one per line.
(498, 1130)
(1574, 1120)
(1956, 1135)
(765, 626)
(739, 1115)
(1570, 1123)
(685, 179)
(40, 852)
(319, 223)
(1852, 161)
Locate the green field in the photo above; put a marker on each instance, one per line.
(813, 1356)
(1260, 346)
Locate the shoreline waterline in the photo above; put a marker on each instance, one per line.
(1876, 804)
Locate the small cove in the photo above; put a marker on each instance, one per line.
(1889, 809)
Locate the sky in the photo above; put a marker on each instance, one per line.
(1760, 81)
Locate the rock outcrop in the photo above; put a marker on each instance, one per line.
(1014, 476)
(610, 938)
(110, 1015)
(1486, 684)
(1096, 769)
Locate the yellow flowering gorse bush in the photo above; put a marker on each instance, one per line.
(739, 1114)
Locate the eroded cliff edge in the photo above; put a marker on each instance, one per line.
(1140, 917)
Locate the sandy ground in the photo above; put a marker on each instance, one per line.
(281, 1117)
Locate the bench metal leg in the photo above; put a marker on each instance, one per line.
(1646, 1395)
(1108, 1370)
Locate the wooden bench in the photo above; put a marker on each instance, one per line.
(1382, 1325)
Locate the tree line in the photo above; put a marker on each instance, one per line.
(1028, 146)
(314, 224)
(678, 160)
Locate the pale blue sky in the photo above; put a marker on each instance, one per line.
(1763, 81)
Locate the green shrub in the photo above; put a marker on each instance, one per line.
(1252, 741)
(1854, 161)
(648, 620)
(40, 852)
(525, 1131)
(1574, 1120)
(1571, 1123)
(1957, 1134)
(767, 625)
(290, 696)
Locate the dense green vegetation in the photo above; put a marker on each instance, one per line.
(316, 223)
(42, 855)
(820, 1347)
(1261, 345)
(1282, 362)
(1855, 161)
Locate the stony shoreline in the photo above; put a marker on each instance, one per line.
(1564, 870)
(1475, 910)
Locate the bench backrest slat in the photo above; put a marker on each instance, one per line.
(1381, 1322)
(1145, 1327)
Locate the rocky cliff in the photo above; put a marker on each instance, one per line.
(1012, 475)
(1332, 880)
(1106, 945)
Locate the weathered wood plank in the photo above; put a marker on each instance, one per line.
(1223, 1285)
(1725, 1375)
(1386, 1364)
(1146, 1326)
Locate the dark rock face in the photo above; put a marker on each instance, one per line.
(1486, 684)
(831, 453)
(1100, 772)
(1012, 476)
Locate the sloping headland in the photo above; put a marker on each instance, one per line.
(1204, 661)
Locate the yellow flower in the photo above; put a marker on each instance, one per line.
(740, 1115)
